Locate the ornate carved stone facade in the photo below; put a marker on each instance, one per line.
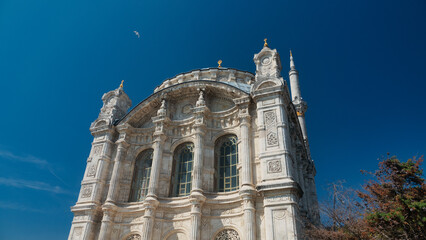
(214, 153)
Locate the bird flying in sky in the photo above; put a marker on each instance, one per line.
(137, 34)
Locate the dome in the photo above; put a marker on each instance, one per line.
(242, 80)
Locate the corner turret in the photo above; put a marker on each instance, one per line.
(115, 106)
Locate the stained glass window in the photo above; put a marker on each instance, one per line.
(141, 176)
(182, 179)
(227, 176)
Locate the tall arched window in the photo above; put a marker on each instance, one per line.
(183, 161)
(141, 176)
(226, 159)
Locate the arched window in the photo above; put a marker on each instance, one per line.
(226, 161)
(141, 176)
(183, 161)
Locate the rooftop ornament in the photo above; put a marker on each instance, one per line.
(219, 62)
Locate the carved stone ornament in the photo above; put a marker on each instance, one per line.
(270, 119)
(187, 109)
(274, 166)
(97, 150)
(134, 237)
(272, 139)
(91, 172)
(279, 214)
(227, 234)
(86, 192)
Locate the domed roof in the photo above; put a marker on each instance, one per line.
(240, 79)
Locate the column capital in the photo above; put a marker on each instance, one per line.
(151, 202)
(159, 137)
(108, 215)
(244, 119)
(197, 198)
(122, 145)
(200, 129)
(247, 191)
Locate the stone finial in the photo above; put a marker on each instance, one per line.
(162, 111)
(200, 101)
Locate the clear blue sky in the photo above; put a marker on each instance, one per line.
(362, 69)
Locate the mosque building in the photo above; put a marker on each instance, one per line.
(212, 154)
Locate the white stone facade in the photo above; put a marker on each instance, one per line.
(275, 174)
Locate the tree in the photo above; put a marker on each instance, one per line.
(392, 205)
(395, 200)
(342, 216)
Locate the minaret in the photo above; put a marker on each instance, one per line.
(297, 99)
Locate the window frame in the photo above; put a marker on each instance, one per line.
(223, 156)
(183, 165)
(141, 176)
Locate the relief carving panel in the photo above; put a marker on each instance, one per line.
(86, 191)
(270, 119)
(274, 166)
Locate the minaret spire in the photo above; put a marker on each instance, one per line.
(294, 81)
(292, 67)
(297, 99)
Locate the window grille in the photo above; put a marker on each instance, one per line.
(141, 176)
(227, 176)
(182, 180)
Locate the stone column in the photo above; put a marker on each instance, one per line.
(115, 177)
(151, 202)
(107, 220)
(197, 181)
(249, 217)
(247, 171)
(148, 220)
(247, 191)
(156, 164)
(195, 219)
(105, 230)
(197, 198)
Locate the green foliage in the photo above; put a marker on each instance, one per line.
(395, 200)
(393, 206)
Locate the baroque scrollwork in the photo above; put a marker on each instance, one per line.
(227, 234)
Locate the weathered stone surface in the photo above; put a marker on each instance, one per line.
(276, 190)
